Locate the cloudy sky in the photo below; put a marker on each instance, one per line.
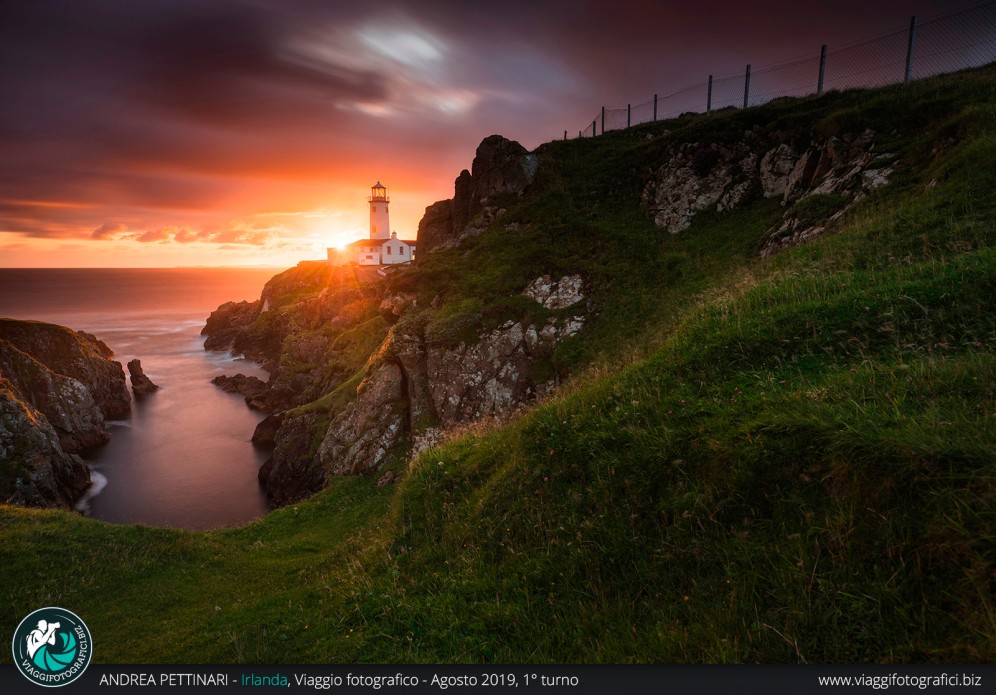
(248, 132)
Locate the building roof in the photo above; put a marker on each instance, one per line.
(379, 242)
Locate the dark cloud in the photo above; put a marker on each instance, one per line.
(108, 230)
(153, 114)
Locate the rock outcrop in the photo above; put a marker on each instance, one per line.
(65, 403)
(254, 389)
(75, 354)
(140, 383)
(34, 469)
(360, 438)
(265, 433)
(293, 472)
(501, 169)
(417, 387)
(225, 322)
(56, 387)
(833, 172)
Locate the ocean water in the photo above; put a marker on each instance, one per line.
(184, 457)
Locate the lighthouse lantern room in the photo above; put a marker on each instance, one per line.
(380, 224)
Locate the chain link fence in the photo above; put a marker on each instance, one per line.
(950, 42)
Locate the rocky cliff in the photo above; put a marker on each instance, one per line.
(57, 386)
(75, 354)
(365, 373)
(502, 170)
(817, 180)
(362, 372)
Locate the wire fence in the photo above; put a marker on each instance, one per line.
(950, 42)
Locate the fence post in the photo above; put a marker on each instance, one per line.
(594, 130)
(655, 107)
(909, 50)
(823, 69)
(579, 134)
(709, 96)
(747, 86)
(565, 135)
(603, 120)
(628, 111)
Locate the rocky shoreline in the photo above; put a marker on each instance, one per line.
(57, 389)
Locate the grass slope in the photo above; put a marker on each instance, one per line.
(797, 464)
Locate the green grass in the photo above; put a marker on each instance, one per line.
(779, 460)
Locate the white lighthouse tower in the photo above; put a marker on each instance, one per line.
(380, 224)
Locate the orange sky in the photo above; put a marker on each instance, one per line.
(187, 132)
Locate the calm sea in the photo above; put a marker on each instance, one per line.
(184, 457)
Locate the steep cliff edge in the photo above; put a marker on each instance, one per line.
(75, 354)
(56, 388)
(535, 269)
(502, 170)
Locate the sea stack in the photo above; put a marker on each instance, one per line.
(140, 384)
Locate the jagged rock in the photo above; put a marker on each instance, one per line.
(698, 176)
(409, 352)
(501, 167)
(695, 177)
(34, 469)
(844, 167)
(361, 437)
(75, 354)
(394, 306)
(556, 295)
(493, 376)
(436, 226)
(776, 165)
(265, 433)
(292, 473)
(66, 404)
(253, 388)
(140, 383)
(225, 322)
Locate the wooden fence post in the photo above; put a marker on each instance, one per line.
(910, 47)
(655, 107)
(747, 86)
(628, 113)
(823, 68)
(603, 120)
(709, 96)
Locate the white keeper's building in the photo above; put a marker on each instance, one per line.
(383, 247)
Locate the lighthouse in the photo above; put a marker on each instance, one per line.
(384, 249)
(380, 224)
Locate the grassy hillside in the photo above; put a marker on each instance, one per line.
(796, 463)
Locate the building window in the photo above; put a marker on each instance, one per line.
(373, 229)
(388, 250)
(401, 250)
(373, 208)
